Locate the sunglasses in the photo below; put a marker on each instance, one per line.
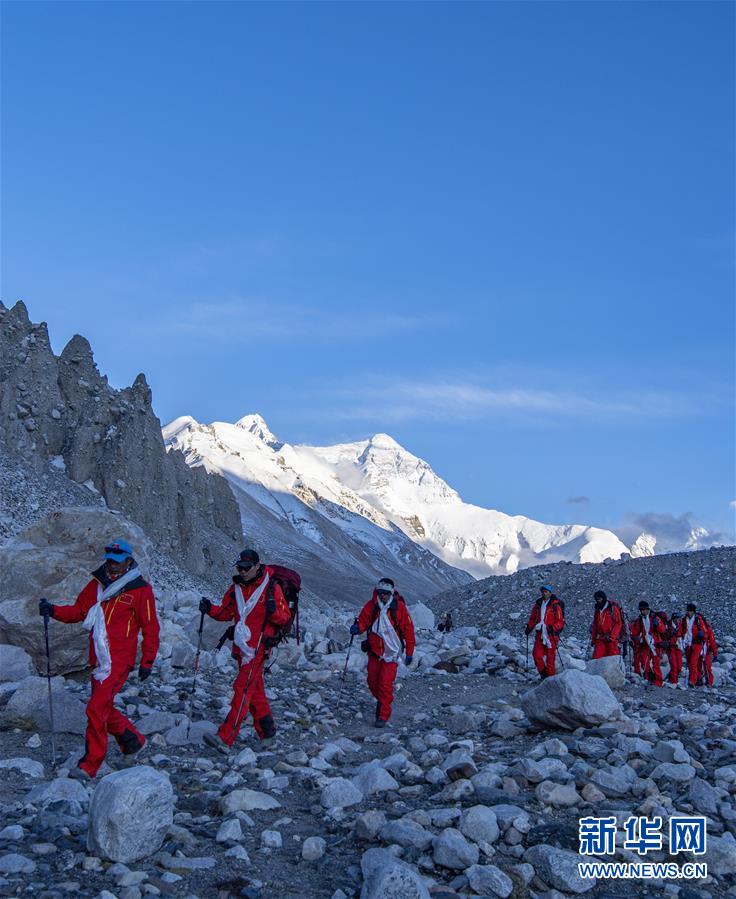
(245, 567)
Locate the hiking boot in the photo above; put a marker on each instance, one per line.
(77, 773)
(267, 727)
(216, 743)
(130, 743)
(380, 722)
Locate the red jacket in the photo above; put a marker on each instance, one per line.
(638, 632)
(554, 617)
(126, 615)
(702, 632)
(258, 620)
(400, 618)
(608, 623)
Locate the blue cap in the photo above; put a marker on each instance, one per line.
(548, 589)
(119, 551)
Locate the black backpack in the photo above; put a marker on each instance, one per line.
(290, 582)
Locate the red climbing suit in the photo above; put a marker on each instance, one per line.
(646, 637)
(699, 642)
(131, 612)
(382, 668)
(608, 623)
(259, 620)
(548, 633)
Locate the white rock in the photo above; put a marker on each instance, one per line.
(570, 700)
(721, 855)
(609, 668)
(61, 788)
(26, 766)
(559, 868)
(374, 778)
(488, 880)
(386, 877)
(28, 707)
(15, 663)
(422, 616)
(313, 849)
(452, 850)
(130, 814)
(246, 801)
(271, 839)
(15, 863)
(341, 793)
(230, 831)
(479, 824)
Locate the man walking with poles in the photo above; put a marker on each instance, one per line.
(116, 606)
(546, 621)
(256, 603)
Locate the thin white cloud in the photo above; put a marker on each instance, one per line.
(239, 321)
(399, 401)
(732, 504)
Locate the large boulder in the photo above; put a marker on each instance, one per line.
(610, 668)
(28, 707)
(570, 700)
(54, 558)
(130, 814)
(386, 877)
(422, 616)
(15, 663)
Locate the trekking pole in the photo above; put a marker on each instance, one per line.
(526, 665)
(559, 656)
(51, 701)
(344, 670)
(196, 670)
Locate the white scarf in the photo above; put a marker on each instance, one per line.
(245, 607)
(647, 623)
(688, 641)
(540, 627)
(95, 622)
(387, 632)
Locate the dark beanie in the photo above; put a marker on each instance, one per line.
(599, 594)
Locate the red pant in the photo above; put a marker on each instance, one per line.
(103, 719)
(674, 654)
(699, 665)
(381, 676)
(545, 656)
(604, 648)
(255, 702)
(648, 665)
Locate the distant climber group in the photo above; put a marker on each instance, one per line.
(651, 635)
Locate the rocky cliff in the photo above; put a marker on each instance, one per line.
(61, 410)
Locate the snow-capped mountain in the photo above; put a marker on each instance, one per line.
(378, 497)
(481, 541)
(647, 544)
(293, 507)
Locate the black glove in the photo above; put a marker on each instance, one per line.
(270, 642)
(270, 605)
(205, 605)
(354, 629)
(144, 673)
(45, 608)
(409, 660)
(528, 630)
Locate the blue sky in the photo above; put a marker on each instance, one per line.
(501, 232)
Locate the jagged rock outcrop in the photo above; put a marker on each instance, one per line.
(62, 409)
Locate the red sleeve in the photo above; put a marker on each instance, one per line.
(533, 617)
(282, 615)
(634, 631)
(558, 619)
(365, 619)
(226, 610)
(77, 611)
(145, 607)
(711, 638)
(407, 629)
